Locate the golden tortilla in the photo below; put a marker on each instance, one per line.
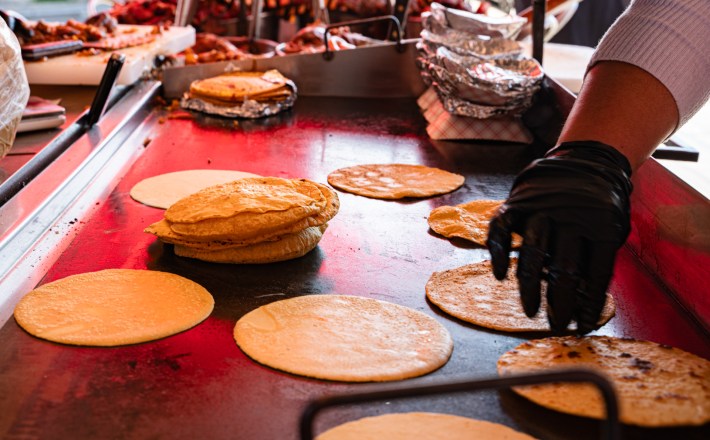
(332, 204)
(245, 208)
(257, 195)
(283, 92)
(165, 189)
(468, 221)
(287, 247)
(248, 227)
(275, 95)
(420, 425)
(161, 229)
(344, 338)
(394, 181)
(657, 385)
(237, 86)
(113, 307)
(471, 293)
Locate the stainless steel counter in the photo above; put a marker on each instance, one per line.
(198, 384)
(74, 99)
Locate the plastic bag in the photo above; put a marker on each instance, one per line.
(14, 90)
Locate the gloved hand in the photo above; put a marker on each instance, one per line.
(572, 209)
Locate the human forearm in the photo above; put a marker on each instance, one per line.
(623, 106)
(629, 107)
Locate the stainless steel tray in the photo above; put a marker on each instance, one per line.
(380, 71)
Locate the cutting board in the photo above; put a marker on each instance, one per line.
(87, 70)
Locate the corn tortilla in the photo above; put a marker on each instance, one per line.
(394, 181)
(287, 247)
(276, 95)
(165, 189)
(344, 338)
(237, 86)
(467, 220)
(113, 307)
(161, 229)
(256, 195)
(246, 228)
(657, 385)
(472, 294)
(430, 426)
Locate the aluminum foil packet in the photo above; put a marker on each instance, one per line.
(509, 77)
(475, 66)
(462, 44)
(473, 24)
(460, 97)
(249, 109)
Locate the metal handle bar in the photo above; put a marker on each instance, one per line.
(610, 429)
(328, 54)
(98, 105)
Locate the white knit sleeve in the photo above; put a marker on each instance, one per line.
(670, 39)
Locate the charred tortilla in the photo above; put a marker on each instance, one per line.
(394, 181)
(472, 294)
(657, 385)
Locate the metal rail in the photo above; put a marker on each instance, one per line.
(610, 427)
(396, 32)
(538, 28)
(22, 177)
(67, 188)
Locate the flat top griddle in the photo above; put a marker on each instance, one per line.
(198, 384)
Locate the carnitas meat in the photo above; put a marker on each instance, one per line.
(94, 29)
(311, 39)
(208, 17)
(209, 48)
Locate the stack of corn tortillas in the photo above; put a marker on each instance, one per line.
(234, 88)
(241, 94)
(250, 220)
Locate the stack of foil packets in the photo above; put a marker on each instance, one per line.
(474, 63)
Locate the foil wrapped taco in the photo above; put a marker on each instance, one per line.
(475, 65)
(241, 94)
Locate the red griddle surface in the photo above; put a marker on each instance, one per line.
(198, 384)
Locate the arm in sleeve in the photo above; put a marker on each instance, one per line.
(669, 39)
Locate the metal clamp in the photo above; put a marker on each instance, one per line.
(328, 54)
(538, 28)
(320, 12)
(673, 151)
(610, 429)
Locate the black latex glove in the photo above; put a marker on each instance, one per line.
(572, 209)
